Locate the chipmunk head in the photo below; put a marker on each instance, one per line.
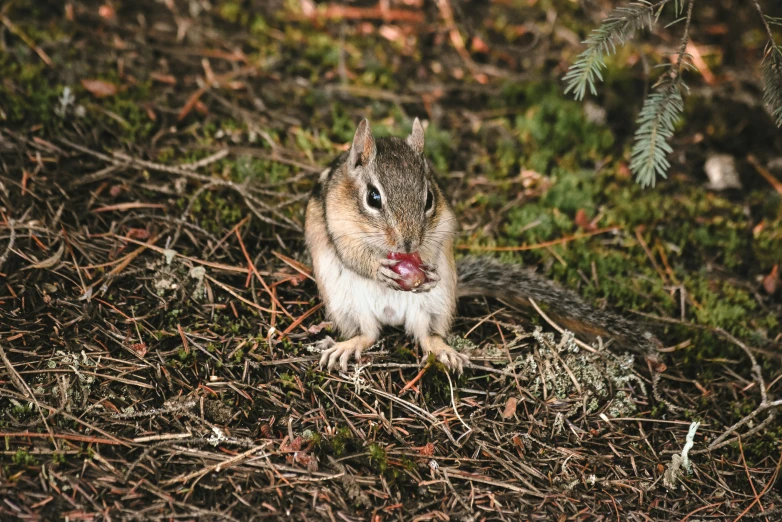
(386, 196)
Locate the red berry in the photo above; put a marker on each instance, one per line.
(409, 267)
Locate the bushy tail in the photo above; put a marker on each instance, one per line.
(515, 285)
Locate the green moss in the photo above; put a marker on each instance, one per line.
(403, 353)
(59, 458)
(28, 95)
(184, 355)
(341, 442)
(554, 130)
(378, 458)
(261, 170)
(232, 11)
(126, 113)
(313, 378)
(288, 381)
(440, 146)
(435, 385)
(23, 459)
(215, 212)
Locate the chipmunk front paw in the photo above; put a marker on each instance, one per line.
(432, 278)
(386, 274)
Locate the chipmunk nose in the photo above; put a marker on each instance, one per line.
(408, 245)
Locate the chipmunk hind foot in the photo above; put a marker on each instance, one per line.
(444, 353)
(341, 352)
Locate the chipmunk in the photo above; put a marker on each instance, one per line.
(381, 197)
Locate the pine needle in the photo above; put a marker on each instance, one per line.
(772, 82)
(658, 117)
(616, 28)
(656, 123)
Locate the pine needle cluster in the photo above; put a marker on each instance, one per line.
(618, 27)
(656, 121)
(772, 82)
(663, 107)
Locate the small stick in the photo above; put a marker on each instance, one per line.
(131, 205)
(414, 379)
(558, 328)
(165, 436)
(11, 240)
(300, 268)
(455, 409)
(64, 436)
(298, 321)
(649, 253)
(242, 299)
(254, 271)
(770, 483)
(765, 173)
(749, 477)
(539, 245)
(22, 386)
(26, 39)
(215, 467)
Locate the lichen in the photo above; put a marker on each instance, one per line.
(550, 368)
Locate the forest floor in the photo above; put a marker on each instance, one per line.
(158, 313)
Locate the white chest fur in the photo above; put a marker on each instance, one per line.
(357, 304)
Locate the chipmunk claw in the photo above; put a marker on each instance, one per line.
(388, 277)
(340, 352)
(452, 359)
(325, 343)
(432, 278)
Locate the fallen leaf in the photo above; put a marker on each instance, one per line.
(583, 221)
(138, 233)
(771, 280)
(100, 88)
(107, 12)
(478, 45)
(317, 328)
(510, 408)
(391, 33)
(427, 450)
(150, 112)
(140, 349)
(163, 78)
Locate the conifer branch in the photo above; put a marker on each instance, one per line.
(658, 118)
(772, 71)
(617, 27)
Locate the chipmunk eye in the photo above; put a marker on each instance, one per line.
(373, 197)
(429, 200)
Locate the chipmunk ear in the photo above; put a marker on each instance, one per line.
(363, 149)
(416, 138)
